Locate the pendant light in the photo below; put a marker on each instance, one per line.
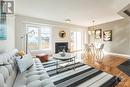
(92, 31)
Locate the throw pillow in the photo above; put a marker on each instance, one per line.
(25, 62)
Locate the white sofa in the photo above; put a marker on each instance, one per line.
(36, 76)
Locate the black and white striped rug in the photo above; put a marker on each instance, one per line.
(82, 76)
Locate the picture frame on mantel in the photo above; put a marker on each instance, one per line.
(98, 33)
(107, 35)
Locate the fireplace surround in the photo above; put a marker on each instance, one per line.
(59, 46)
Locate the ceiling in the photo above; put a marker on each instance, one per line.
(81, 12)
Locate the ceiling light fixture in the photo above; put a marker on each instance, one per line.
(67, 21)
(93, 24)
(90, 32)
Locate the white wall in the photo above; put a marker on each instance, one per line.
(120, 36)
(21, 22)
(9, 44)
(68, 30)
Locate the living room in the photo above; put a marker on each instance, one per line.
(74, 41)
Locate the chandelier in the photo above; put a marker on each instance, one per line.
(92, 31)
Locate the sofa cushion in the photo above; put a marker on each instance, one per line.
(8, 69)
(35, 76)
(5, 59)
(1, 80)
(5, 72)
(25, 62)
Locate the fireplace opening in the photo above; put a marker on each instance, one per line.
(59, 46)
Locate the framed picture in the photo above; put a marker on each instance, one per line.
(107, 35)
(98, 33)
(3, 29)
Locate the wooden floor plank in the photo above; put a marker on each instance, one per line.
(109, 65)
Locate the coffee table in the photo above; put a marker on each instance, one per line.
(69, 57)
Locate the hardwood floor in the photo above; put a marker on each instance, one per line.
(109, 65)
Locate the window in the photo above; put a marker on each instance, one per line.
(45, 38)
(33, 38)
(40, 38)
(76, 41)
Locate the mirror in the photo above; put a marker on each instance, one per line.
(62, 34)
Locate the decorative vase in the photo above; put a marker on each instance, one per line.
(63, 53)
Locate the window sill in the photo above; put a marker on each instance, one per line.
(40, 50)
(46, 51)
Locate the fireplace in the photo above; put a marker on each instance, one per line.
(59, 46)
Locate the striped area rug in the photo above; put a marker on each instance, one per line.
(82, 76)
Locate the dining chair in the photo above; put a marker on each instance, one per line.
(99, 52)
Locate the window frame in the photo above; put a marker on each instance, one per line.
(77, 40)
(39, 27)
